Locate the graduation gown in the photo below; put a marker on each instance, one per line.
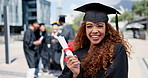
(68, 33)
(56, 53)
(119, 70)
(30, 50)
(44, 51)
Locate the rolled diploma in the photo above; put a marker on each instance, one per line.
(64, 45)
(41, 38)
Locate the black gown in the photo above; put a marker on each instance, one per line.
(30, 50)
(68, 33)
(56, 53)
(44, 51)
(43, 47)
(119, 70)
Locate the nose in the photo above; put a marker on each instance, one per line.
(94, 30)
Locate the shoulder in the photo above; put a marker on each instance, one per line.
(28, 31)
(68, 26)
(80, 52)
(119, 48)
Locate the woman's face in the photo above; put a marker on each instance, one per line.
(42, 28)
(95, 31)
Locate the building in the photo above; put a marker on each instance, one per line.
(23, 12)
(15, 15)
(36, 10)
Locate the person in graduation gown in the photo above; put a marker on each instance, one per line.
(101, 51)
(30, 46)
(68, 33)
(43, 48)
(56, 47)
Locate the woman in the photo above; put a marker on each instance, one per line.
(101, 51)
(43, 48)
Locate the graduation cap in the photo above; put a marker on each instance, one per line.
(34, 21)
(96, 12)
(62, 18)
(55, 23)
(41, 24)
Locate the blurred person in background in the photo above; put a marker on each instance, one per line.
(43, 49)
(101, 51)
(30, 46)
(68, 33)
(56, 48)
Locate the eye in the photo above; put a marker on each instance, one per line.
(89, 26)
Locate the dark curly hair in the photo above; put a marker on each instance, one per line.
(102, 52)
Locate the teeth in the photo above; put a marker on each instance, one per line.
(95, 36)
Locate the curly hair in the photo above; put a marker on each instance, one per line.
(102, 52)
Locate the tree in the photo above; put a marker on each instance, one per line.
(140, 8)
(78, 19)
(123, 17)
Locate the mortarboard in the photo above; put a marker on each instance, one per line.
(62, 18)
(41, 24)
(34, 21)
(55, 23)
(96, 12)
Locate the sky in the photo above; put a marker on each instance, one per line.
(69, 5)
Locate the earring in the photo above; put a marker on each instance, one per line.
(107, 34)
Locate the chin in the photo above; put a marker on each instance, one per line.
(96, 42)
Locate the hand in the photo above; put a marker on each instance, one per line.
(50, 60)
(53, 41)
(37, 42)
(72, 61)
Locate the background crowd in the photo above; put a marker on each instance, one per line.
(42, 50)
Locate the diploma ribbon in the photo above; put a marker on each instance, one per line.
(70, 46)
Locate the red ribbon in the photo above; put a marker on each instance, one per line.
(70, 47)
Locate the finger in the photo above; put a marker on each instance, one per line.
(75, 64)
(75, 56)
(68, 56)
(73, 61)
(67, 59)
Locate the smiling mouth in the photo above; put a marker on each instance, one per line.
(95, 38)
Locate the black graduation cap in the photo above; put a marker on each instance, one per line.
(55, 23)
(96, 12)
(62, 18)
(41, 24)
(34, 21)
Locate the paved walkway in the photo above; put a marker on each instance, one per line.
(18, 66)
(138, 65)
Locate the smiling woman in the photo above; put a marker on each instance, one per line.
(101, 51)
(95, 32)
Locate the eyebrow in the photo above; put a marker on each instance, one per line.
(100, 24)
(89, 24)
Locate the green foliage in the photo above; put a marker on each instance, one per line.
(49, 29)
(78, 19)
(140, 8)
(75, 26)
(125, 16)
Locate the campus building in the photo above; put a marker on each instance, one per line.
(22, 12)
